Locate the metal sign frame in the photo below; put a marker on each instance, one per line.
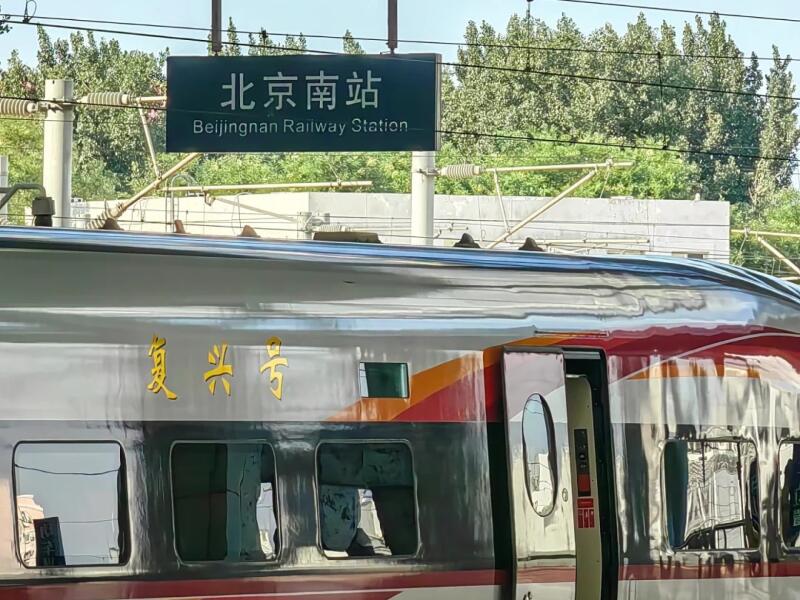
(304, 103)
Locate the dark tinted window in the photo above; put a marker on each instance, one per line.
(711, 494)
(70, 500)
(224, 501)
(790, 493)
(366, 499)
(540, 455)
(383, 380)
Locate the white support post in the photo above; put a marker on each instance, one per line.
(3, 184)
(423, 178)
(57, 154)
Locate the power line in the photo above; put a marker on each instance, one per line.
(505, 46)
(619, 145)
(178, 38)
(685, 11)
(520, 70)
(608, 144)
(266, 223)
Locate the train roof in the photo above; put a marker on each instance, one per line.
(356, 253)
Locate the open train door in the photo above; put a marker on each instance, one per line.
(540, 480)
(559, 479)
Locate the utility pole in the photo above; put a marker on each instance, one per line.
(3, 184)
(57, 152)
(423, 178)
(216, 26)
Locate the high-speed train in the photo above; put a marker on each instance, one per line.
(201, 418)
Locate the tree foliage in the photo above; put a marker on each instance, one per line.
(109, 149)
(698, 93)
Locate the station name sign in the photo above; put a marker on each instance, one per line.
(303, 103)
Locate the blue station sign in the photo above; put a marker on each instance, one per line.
(303, 103)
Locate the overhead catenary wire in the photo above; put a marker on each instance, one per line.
(595, 244)
(569, 142)
(257, 220)
(619, 145)
(227, 226)
(591, 244)
(520, 70)
(402, 223)
(429, 42)
(622, 145)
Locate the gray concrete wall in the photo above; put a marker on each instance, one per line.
(630, 226)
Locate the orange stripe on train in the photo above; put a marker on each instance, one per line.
(439, 387)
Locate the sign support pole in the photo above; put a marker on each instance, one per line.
(216, 26)
(423, 178)
(391, 39)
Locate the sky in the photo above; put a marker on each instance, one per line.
(418, 19)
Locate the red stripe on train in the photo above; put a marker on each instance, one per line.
(69, 594)
(369, 586)
(355, 586)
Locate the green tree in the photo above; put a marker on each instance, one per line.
(350, 45)
(263, 45)
(715, 121)
(779, 134)
(700, 93)
(103, 136)
(21, 140)
(233, 47)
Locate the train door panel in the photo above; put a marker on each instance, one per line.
(540, 475)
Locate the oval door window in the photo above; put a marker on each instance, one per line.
(538, 444)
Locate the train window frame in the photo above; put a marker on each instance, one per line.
(788, 550)
(277, 558)
(382, 559)
(552, 455)
(751, 552)
(123, 505)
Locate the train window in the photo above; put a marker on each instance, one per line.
(540, 455)
(71, 504)
(224, 502)
(367, 504)
(790, 493)
(711, 494)
(383, 380)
